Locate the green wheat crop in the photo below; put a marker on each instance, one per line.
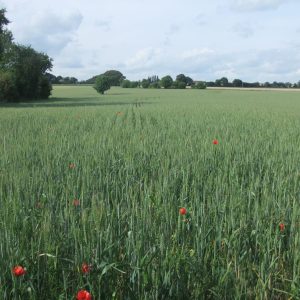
(133, 158)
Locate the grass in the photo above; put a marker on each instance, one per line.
(139, 156)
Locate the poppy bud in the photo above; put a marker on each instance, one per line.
(84, 295)
(18, 271)
(182, 211)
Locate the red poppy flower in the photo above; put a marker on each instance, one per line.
(84, 295)
(85, 268)
(281, 227)
(76, 202)
(18, 271)
(72, 166)
(215, 142)
(182, 211)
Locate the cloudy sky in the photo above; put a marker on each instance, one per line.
(254, 40)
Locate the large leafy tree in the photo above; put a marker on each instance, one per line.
(115, 77)
(29, 69)
(166, 82)
(102, 84)
(22, 69)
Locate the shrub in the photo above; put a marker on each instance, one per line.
(102, 84)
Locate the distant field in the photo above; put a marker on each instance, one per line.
(131, 159)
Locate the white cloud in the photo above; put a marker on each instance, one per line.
(49, 32)
(144, 58)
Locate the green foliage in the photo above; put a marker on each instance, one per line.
(28, 68)
(3, 20)
(189, 81)
(126, 83)
(102, 84)
(8, 89)
(154, 85)
(134, 84)
(181, 78)
(237, 83)
(129, 84)
(115, 77)
(182, 81)
(5, 38)
(145, 83)
(45, 88)
(22, 69)
(222, 82)
(179, 84)
(166, 82)
(200, 85)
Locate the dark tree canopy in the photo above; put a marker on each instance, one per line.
(166, 82)
(222, 82)
(237, 83)
(115, 77)
(181, 78)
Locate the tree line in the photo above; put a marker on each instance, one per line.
(104, 81)
(224, 82)
(110, 78)
(22, 69)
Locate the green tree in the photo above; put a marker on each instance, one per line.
(22, 69)
(8, 89)
(179, 84)
(166, 82)
(189, 81)
(181, 78)
(115, 77)
(222, 82)
(134, 84)
(126, 84)
(145, 83)
(185, 79)
(29, 71)
(154, 85)
(102, 84)
(237, 83)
